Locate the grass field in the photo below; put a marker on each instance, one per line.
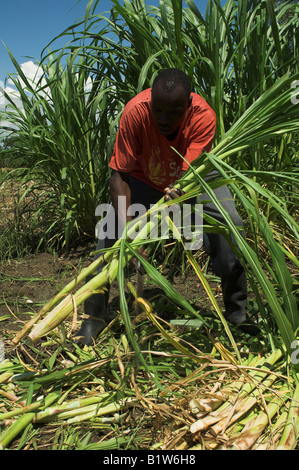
(173, 376)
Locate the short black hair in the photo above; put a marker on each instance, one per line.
(171, 78)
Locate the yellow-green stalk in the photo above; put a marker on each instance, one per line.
(254, 428)
(244, 401)
(80, 403)
(290, 436)
(20, 411)
(271, 439)
(201, 406)
(96, 284)
(97, 411)
(15, 429)
(5, 376)
(241, 407)
(21, 423)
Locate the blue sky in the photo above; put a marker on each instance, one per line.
(27, 26)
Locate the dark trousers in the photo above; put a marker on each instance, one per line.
(225, 263)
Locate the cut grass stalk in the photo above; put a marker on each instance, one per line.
(15, 429)
(20, 411)
(66, 290)
(100, 281)
(243, 405)
(290, 434)
(5, 376)
(271, 439)
(21, 423)
(80, 403)
(255, 379)
(200, 406)
(96, 412)
(255, 427)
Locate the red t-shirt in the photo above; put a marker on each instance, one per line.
(141, 150)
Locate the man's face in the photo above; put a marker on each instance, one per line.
(169, 108)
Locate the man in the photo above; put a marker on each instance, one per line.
(145, 166)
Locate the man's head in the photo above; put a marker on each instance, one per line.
(170, 100)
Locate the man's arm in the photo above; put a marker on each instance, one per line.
(119, 186)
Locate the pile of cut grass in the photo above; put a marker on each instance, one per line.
(195, 395)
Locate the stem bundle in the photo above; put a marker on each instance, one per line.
(243, 415)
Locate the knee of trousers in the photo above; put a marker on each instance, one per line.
(228, 265)
(224, 261)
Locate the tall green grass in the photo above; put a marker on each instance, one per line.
(66, 132)
(241, 58)
(62, 134)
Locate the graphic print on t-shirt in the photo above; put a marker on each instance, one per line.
(156, 167)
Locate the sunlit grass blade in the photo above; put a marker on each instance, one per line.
(289, 438)
(165, 285)
(248, 254)
(211, 296)
(126, 316)
(287, 320)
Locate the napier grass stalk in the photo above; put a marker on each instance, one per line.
(239, 398)
(99, 282)
(243, 404)
(82, 410)
(24, 420)
(66, 290)
(15, 429)
(201, 406)
(255, 427)
(50, 412)
(255, 415)
(270, 440)
(289, 438)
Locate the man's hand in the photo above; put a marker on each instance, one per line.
(172, 193)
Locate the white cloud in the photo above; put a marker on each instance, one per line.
(31, 71)
(33, 74)
(13, 94)
(88, 84)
